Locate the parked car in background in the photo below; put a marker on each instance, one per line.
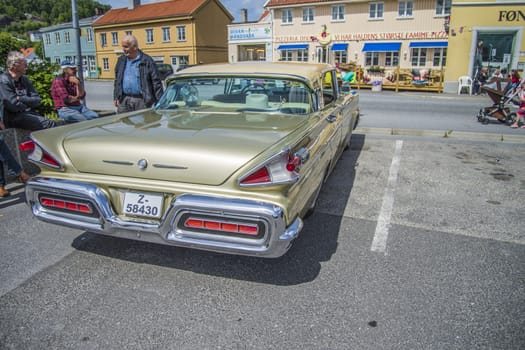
(232, 167)
(164, 70)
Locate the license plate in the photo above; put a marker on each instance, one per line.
(143, 204)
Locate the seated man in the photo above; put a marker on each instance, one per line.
(20, 97)
(67, 92)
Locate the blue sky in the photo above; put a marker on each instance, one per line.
(255, 7)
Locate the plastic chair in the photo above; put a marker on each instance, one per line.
(465, 82)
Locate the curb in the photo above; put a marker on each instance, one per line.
(448, 134)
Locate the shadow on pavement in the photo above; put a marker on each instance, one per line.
(316, 243)
(14, 198)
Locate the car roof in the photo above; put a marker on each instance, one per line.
(310, 71)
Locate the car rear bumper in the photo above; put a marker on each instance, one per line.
(273, 241)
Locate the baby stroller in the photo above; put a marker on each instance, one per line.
(502, 99)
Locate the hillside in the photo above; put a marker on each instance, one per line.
(21, 16)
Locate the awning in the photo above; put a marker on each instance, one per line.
(339, 47)
(381, 47)
(293, 47)
(429, 44)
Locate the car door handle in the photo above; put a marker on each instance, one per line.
(331, 118)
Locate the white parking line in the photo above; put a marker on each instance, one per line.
(383, 222)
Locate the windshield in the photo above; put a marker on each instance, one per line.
(246, 94)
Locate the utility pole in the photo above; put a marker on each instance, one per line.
(76, 29)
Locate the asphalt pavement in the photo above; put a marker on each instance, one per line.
(417, 243)
(408, 113)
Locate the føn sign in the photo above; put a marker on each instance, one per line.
(511, 16)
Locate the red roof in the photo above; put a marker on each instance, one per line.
(163, 9)
(275, 3)
(28, 51)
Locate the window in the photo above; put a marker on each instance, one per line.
(375, 10)
(329, 87)
(47, 38)
(166, 34)
(103, 40)
(440, 57)
(372, 59)
(149, 36)
(183, 60)
(286, 55)
(405, 8)
(181, 33)
(338, 13)
(92, 64)
(129, 32)
(419, 57)
(67, 38)
(341, 56)
(173, 60)
(89, 34)
(57, 38)
(443, 7)
(287, 16)
(302, 55)
(105, 63)
(114, 38)
(57, 60)
(308, 14)
(392, 59)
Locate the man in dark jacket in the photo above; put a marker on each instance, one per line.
(20, 97)
(137, 81)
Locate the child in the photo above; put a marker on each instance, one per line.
(521, 111)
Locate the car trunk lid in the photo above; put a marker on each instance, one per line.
(185, 146)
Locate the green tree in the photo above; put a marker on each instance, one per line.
(7, 43)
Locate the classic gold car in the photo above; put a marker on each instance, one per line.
(231, 167)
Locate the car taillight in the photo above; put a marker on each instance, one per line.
(39, 155)
(66, 204)
(259, 176)
(222, 226)
(279, 169)
(27, 146)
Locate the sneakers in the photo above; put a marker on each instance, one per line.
(4, 192)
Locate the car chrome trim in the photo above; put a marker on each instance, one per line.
(166, 166)
(275, 241)
(119, 162)
(142, 163)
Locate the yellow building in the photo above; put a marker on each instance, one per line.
(403, 41)
(484, 33)
(178, 32)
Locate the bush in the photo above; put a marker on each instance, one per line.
(41, 75)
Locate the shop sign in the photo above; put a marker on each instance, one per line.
(250, 33)
(511, 16)
(392, 36)
(368, 36)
